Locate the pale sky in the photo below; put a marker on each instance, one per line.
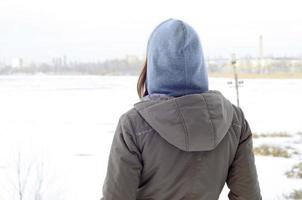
(96, 29)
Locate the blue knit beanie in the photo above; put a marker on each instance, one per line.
(175, 62)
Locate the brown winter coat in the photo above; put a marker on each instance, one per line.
(182, 148)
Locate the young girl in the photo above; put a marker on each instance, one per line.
(181, 141)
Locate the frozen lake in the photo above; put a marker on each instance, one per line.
(63, 126)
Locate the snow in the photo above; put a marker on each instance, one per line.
(67, 123)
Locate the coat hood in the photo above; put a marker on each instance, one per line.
(175, 60)
(195, 122)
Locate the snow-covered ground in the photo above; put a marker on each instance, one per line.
(62, 126)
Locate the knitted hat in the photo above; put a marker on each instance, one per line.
(175, 62)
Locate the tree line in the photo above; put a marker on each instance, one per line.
(126, 66)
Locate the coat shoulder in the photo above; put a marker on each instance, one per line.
(237, 115)
(132, 121)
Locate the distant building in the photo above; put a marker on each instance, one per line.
(2, 63)
(131, 59)
(250, 64)
(17, 63)
(60, 61)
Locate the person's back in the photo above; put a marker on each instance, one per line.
(181, 141)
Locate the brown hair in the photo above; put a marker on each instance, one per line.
(141, 83)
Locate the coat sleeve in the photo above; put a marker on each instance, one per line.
(124, 167)
(242, 177)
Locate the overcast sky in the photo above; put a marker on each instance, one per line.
(97, 29)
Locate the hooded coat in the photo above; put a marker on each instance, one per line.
(182, 141)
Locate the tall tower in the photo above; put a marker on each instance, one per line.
(260, 55)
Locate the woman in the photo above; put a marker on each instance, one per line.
(181, 141)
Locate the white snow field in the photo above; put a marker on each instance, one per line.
(57, 131)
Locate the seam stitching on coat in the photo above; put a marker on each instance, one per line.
(184, 126)
(214, 136)
(144, 132)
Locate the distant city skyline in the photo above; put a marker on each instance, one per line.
(98, 30)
